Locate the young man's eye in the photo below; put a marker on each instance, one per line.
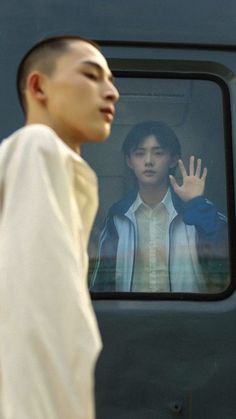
(139, 153)
(91, 76)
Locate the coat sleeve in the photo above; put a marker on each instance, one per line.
(209, 222)
(212, 245)
(48, 333)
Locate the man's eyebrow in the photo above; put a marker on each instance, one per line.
(158, 147)
(99, 68)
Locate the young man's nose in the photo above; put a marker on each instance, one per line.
(148, 160)
(111, 92)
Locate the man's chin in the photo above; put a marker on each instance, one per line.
(150, 182)
(100, 135)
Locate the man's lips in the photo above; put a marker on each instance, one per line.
(108, 113)
(149, 172)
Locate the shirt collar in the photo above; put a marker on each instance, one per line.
(166, 201)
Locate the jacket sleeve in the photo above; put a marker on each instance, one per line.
(210, 223)
(47, 332)
(212, 234)
(103, 275)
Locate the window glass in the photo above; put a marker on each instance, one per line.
(155, 233)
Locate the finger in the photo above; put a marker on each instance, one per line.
(173, 182)
(182, 168)
(198, 168)
(204, 174)
(191, 166)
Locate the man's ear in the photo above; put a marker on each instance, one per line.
(35, 86)
(128, 162)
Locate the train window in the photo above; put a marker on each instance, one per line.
(162, 222)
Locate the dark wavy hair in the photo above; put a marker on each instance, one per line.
(164, 134)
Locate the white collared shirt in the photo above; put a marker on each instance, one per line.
(151, 273)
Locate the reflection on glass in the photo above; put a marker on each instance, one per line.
(165, 235)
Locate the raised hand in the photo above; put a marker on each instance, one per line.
(193, 184)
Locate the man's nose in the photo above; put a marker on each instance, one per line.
(111, 92)
(148, 160)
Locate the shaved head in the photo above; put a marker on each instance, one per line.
(42, 57)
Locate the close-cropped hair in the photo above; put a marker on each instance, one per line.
(165, 135)
(42, 56)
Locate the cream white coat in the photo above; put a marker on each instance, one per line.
(49, 340)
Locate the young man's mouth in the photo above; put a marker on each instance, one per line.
(149, 172)
(108, 113)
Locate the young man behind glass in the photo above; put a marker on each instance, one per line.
(162, 237)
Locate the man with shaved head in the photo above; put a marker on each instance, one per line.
(48, 200)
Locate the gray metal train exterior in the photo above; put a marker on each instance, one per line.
(173, 354)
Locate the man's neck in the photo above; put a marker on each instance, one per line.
(67, 139)
(152, 195)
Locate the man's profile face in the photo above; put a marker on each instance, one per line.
(80, 94)
(151, 163)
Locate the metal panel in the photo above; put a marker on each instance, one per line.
(165, 358)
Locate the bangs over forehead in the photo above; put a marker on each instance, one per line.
(164, 134)
(42, 56)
